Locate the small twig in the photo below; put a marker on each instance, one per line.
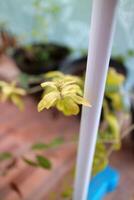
(127, 131)
(110, 150)
(34, 90)
(63, 145)
(107, 141)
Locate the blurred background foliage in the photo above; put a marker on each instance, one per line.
(66, 22)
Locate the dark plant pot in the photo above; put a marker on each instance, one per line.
(38, 94)
(78, 66)
(40, 58)
(119, 66)
(75, 66)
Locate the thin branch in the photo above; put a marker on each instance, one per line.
(110, 150)
(127, 131)
(107, 141)
(34, 90)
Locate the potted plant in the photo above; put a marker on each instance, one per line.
(40, 58)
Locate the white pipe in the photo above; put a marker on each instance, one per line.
(101, 35)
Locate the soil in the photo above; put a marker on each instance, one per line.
(40, 58)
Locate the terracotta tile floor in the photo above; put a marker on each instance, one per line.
(17, 132)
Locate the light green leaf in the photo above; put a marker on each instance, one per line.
(114, 78)
(40, 146)
(67, 193)
(56, 142)
(67, 106)
(80, 100)
(48, 100)
(49, 84)
(5, 156)
(100, 158)
(17, 101)
(72, 89)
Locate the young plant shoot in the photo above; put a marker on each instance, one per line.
(63, 92)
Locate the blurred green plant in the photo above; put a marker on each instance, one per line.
(100, 158)
(45, 11)
(40, 161)
(53, 144)
(114, 85)
(9, 91)
(109, 138)
(5, 156)
(37, 149)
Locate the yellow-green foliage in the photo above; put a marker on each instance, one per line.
(9, 91)
(100, 158)
(113, 86)
(63, 92)
(110, 136)
(114, 78)
(56, 75)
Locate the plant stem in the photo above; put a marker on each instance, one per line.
(34, 90)
(127, 131)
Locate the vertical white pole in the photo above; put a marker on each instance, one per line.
(101, 34)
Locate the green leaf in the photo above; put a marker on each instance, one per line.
(114, 126)
(81, 100)
(114, 78)
(48, 100)
(111, 89)
(67, 193)
(5, 156)
(63, 92)
(43, 162)
(9, 91)
(67, 106)
(48, 84)
(17, 101)
(30, 162)
(100, 158)
(56, 142)
(40, 146)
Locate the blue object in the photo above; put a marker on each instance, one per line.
(104, 182)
